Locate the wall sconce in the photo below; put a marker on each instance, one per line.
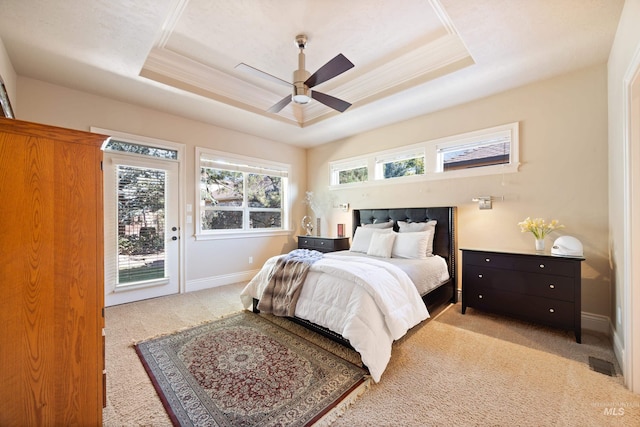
(484, 202)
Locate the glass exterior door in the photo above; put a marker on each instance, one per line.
(141, 228)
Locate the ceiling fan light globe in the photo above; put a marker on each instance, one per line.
(301, 99)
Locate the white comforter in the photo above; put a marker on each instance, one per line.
(369, 302)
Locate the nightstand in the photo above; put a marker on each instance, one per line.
(539, 288)
(323, 244)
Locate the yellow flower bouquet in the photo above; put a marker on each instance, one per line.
(539, 227)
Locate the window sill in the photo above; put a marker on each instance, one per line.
(225, 235)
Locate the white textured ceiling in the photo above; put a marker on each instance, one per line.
(411, 57)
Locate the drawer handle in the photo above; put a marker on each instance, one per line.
(480, 296)
(321, 243)
(487, 259)
(541, 265)
(552, 286)
(480, 276)
(551, 310)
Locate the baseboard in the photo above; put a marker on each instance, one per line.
(596, 323)
(222, 280)
(618, 350)
(590, 321)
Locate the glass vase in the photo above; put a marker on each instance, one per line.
(540, 245)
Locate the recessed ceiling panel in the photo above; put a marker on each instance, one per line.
(203, 41)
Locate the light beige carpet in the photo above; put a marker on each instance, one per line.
(475, 369)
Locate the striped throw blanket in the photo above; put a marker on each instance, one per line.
(285, 282)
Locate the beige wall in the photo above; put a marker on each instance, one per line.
(206, 262)
(563, 173)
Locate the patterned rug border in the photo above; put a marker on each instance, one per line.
(156, 384)
(325, 417)
(135, 343)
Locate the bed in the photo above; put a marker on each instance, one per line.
(367, 302)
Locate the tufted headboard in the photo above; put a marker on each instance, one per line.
(444, 242)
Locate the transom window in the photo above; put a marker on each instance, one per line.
(143, 150)
(240, 194)
(493, 150)
(400, 164)
(349, 172)
(484, 152)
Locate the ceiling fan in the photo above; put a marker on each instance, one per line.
(303, 81)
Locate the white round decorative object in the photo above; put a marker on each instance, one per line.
(567, 246)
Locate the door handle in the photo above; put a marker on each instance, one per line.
(174, 228)
(174, 238)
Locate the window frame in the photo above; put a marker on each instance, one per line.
(510, 130)
(348, 164)
(246, 165)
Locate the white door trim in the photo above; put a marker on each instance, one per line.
(631, 283)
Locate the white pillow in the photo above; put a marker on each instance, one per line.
(409, 227)
(381, 244)
(388, 224)
(362, 238)
(411, 245)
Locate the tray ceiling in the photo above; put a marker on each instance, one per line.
(411, 57)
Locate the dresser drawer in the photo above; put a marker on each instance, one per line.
(532, 264)
(323, 244)
(542, 285)
(306, 243)
(554, 313)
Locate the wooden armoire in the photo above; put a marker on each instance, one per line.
(51, 276)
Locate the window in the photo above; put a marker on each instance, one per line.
(240, 194)
(493, 150)
(483, 152)
(144, 150)
(400, 164)
(349, 172)
(141, 223)
(475, 155)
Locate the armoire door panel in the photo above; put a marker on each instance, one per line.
(51, 298)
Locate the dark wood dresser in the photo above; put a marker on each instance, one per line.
(540, 288)
(323, 244)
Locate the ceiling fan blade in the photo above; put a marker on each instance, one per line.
(254, 71)
(280, 105)
(335, 67)
(330, 101)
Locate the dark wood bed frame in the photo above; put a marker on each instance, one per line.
(444, 244)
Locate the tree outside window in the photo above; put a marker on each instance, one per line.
(240, 200)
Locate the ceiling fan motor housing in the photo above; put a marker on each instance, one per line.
(301, 92)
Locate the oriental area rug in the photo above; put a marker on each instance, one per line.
(244, 370)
